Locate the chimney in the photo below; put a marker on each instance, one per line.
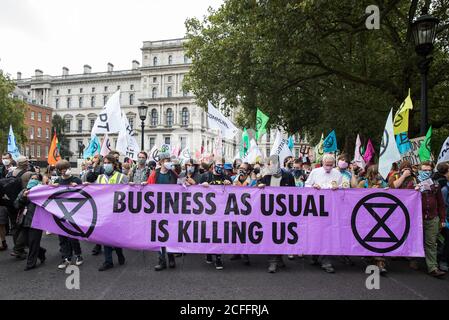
(19, 75)
(65, 71)
(38, 73)
(87, 69)
(136, 64)
(110, 67)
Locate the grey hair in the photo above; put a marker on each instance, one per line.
(329, 157)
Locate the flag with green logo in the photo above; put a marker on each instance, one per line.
(261, 123)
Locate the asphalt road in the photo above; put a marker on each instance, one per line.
(194, 279)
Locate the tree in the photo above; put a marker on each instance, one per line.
(12, 112)
(58, 125)
(313, 66)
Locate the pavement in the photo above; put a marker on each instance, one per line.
(193, 279)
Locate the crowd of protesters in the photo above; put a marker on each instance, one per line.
(332, 173)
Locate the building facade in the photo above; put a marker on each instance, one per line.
(173, 117)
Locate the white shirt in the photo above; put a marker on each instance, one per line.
(325, 180)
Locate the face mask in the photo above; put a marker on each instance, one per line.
(290, 165)
(191, 170)
(6, 162)
(424, 175)
(108, 168)
(168, 165)
(243, 172)
(219, 170)
(256, 170)
(142, 161)
(32, 183)
(343, 165)
(297, 173)
(327, 168)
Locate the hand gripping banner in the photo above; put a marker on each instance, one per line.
(236, 220)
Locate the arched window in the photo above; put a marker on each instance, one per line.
(154, 93)
(170, 59)
(154, 118)
(185, 117)
(155, 61)
(169, 120)
(169, 92)
(131, 99)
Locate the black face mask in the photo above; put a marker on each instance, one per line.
(256, 170)
(297, 173)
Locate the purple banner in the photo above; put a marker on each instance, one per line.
(233, 220)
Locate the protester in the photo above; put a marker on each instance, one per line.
(32, 237)
(141, 172)
(216, 177)
(94, 170)
(443, 172)
(348, 179)
(5, 168)
(112, 175)
(434, 215)
(68, 246)
(190, 176)
(326, 177)
(276, 177)
(299, 174)
(403, 178)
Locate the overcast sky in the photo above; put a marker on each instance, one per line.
(51, 34)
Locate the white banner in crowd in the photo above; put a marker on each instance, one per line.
(109, 119)
(444, 154)
(254, 154)
(358, 159)
(280, 148)
(127, 143)
(218, 121)
(105, 146)
(389, 152)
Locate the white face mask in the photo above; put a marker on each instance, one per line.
(168, 165)
(6, 162)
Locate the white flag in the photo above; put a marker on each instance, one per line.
(105, 146)
(154, 154)
(127, 143)
(444, 154)
(358, 159)
(280, 148)
(109, 119)
(218, 121)
(13, 148)
(389, 152)
(254, 153)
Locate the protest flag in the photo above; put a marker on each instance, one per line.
(424, 149)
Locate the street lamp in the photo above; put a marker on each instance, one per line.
(424, 31)
(143, 109)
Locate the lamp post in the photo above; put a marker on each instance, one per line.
(143, 109)
(424, 31)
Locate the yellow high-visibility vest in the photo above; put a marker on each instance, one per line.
(116, 178)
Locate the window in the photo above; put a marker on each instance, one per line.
(169, 121)
(167, 140)
(69, 103)
(131, 87)
(106, 89)
(152, 142)
(105, 100)
(170, 59)
(118, 87)
(69, 91)
(131, 123)
(57, 103)
(93, 90)
(38, 151)
(47, 133)
(47, 118)
(131, 99)
(81, 102)
(32, 115)
(27, 151)
(183, 142)
(169, 92)
(154, 93)
(155, 61)
(154, 118)
(57, 92)
(39, 132)
(154, 79)
(186, 60)
(31, 133)
(68, 124)
(184, 93)
(170, 79)
(185, 117)
(32, 151)
(46, 150)
(80, 126)
(39, 116)
(81, 90)
(92, 123)
(92, 102)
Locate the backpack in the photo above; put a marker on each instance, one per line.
(10, 188)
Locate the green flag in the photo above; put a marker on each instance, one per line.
(424, 150)
(244, 147)
(261, 123)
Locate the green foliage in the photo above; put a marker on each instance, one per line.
(313, 66)
(12, 112)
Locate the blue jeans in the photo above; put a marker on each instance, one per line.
(108, 254)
